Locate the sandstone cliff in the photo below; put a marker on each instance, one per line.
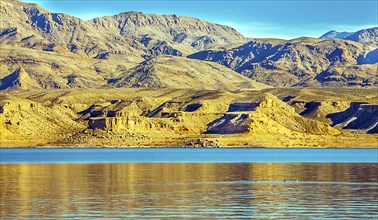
(183, 117)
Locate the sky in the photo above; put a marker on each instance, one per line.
(253, 18)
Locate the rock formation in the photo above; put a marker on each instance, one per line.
(183, 117)
(359, 116)
(270, 113)
(303, 62)
(188, 31)
(18, 80)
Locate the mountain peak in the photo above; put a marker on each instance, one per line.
(329, 34)
(190, 32)
(369, 35)
(19, 79)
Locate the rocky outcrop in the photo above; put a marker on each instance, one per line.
(19, 80)
(359, 116)
(271, 115)
(139, 116)
(169, 117)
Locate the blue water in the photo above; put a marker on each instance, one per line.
(171, 155)
(188, 183)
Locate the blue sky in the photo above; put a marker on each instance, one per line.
(253, 18)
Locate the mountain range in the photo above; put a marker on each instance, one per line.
(137, 79)
(56, 50)
(365, 36)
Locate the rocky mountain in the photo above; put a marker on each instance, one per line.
(187, 31)
(365, 36)
(31, 26)
(336, 34)
(180, 72)
(61, 51)
(299, 62)
(131, 36)
(26, 69)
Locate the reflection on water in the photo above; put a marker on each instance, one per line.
(199, 190)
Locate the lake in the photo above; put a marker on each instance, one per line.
(193, 155)
(189, 183)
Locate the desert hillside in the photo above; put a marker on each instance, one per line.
(180, 72)
(303, 62)
(131, 36)
(157, 117)
(61, 51)
(191, 32)
(135, 79)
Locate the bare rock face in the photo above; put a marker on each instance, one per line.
(191, 32)
(283, 119)
(303, 62)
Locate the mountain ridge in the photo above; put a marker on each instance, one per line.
(364, 36)
(184, 73)
(109, 47)
(300, 62)
(22, 20)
